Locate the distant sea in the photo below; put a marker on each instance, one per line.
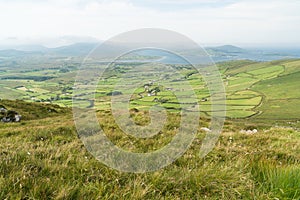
(255, 54)
(261, 54)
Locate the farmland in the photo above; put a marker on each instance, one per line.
(253, 89)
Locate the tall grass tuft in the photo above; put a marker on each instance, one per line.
(281, 180)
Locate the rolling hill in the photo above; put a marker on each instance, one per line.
(42, 157)
(218, 53)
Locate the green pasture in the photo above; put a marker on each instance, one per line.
(253, 89)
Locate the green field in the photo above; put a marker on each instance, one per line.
(253, 89)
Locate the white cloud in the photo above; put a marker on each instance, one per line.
(205, 21)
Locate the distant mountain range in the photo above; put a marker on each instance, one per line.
(77, 49)
(219, 53)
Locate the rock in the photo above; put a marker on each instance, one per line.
(249, 131)
(205, 129)
(3, 110)
(18, 118)
(10, 116)
(5, 119)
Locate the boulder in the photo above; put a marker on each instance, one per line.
(10, 116)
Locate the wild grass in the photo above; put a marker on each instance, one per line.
(282, 181)
(44, 159)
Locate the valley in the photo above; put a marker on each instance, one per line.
(257, 90)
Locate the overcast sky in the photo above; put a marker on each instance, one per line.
(244, 22)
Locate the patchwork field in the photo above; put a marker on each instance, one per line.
(253, 89)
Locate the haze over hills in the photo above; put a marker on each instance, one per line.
(218, 53)
(77, 49)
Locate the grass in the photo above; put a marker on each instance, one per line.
(285, 87)
(239, 113)
(43, 158)
(283, 182)
(32, 111)
(288, 109)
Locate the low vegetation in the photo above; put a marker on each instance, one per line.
(43, 158)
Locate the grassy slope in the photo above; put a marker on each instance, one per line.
(30, 111)
(274, 82)
(43, 158)
(282, 100)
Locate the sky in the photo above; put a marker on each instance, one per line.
(243, 23)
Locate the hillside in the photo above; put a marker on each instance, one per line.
(228, 49)
(274, 83)
(42, 158)
(33, 111)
